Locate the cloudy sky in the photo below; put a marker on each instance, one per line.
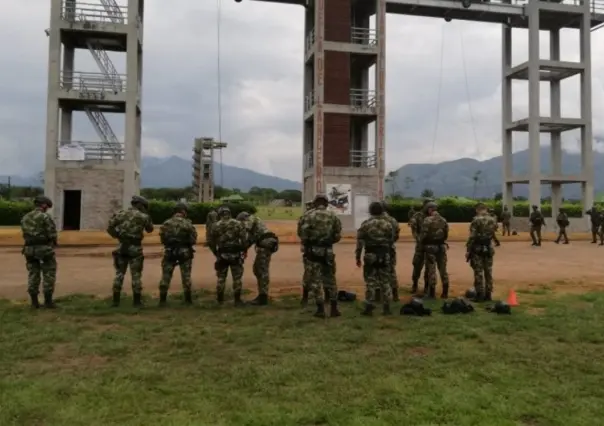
(261, 62)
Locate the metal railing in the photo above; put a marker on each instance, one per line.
(309, 160)
(104, 130)
(364, 36)
(365, 159)
(91, 83)
(596, 6)
(114, 11)
(105, 64)
(93, 12)
(363, 100)
(92, 151)
(310, 41)
(309, 101)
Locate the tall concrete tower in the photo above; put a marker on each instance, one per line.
(89, 180)
(203, 168)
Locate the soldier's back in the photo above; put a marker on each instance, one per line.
(318, 224)
(227, 230)
(132, 224)
(377, 231)
(33, 225)
(177, 229)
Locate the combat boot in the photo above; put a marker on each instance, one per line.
(320, 311)
(48, 302)
(479, 298)
(378, 295)
(163, 298)
(188, 297)
(334, 309)
(414, 287)
(326, 294)
(304, 301)
(35, 304)
(445, 292)
(137, 300)
(220, 297)
(386, 309)
(432, 293)
(395, 297)
(260, 300)
(237, 299)
(488, 297)
(426, 291)
(368, 310)
(116, 299)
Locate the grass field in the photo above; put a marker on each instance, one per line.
(86, 364)
(279, 213)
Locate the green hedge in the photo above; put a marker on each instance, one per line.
(11, 212)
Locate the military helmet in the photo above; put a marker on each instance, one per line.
(137, 199)
(480, 206)
(427, 200)
(431, 205)
(376, 208)
(223, 210)
(535, 206)
(321, 197)
(181, 208)
(42, 199)
(243, 216)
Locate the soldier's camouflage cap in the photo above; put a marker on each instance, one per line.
(427, 200)
(480, 206)
(321, 197)
(42, 199)
(431, 205)
(243, 216)
(223, 210)
(137, 199)
(181, 207)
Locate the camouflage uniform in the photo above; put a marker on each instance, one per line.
(392, 263)
(433, 238)
(40, 238)
(128, 227)
(494, 216)
(506, 218)
(228, 242)
(211, 219)
(266, 243)
(596, 221)
(418, 256)
(319, 231)
(479, 253)
(376, 236)
(537, 221)
(178, 236)
(562, 221)
(306, 274)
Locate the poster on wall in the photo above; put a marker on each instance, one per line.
(340, 198)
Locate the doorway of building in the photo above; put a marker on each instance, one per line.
(72, 210)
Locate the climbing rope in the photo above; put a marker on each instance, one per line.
(468, 96)
(438, 92)
(219, 83)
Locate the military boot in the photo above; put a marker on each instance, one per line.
(48, 302)
(116, 299)
(432, 292)
(320, 311)
(188, 297)
(414, 287)
(334, 309)
(488, 297)
(479, 298)
(137, 300)
(445, 292)
(395, 297)
(260, 300)
(368, 310)
(237, 299)
(35, 304)
(426, 291)
(304, 301)
(163, 298)
(386, 309)
(378, 295)
(220, 297)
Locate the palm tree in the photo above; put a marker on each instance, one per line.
(476, 179)
(391, 179)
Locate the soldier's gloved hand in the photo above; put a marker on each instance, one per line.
(359, 263)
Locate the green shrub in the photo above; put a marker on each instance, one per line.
(11, 212)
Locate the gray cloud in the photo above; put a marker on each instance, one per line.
(261, 78)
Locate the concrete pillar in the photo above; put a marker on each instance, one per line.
(587, 164)
(380, 81)
(319, 89)
(506, 116)
(534, 98)
(556, 140)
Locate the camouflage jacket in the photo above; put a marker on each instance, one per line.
(506, 216)
(211, 218)
(495, 219)
(562, 220)
(228, 235)
(395, 228)
(376, 235)
(257, 233)
(595, 216)
(178, 231)
(416, 225)
(129, 225)
(537, 219)
(320, 227)
(482, 230)
(38, 228)
(434, 231)
(299, 228)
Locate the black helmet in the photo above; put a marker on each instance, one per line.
(137, 199)
(42, 199)
(376, 208)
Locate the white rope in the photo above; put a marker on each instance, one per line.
(219, 82)
(468, 96)
(440, 83)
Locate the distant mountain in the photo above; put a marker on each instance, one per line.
(456, 177)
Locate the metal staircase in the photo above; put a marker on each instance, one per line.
(105, 132)
(114, 11)
(106, 66)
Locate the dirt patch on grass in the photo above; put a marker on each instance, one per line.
(418, 351)
(65, 357)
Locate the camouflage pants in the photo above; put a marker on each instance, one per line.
(392, 269)
(506, 228)
(594, 232)
(418, 261)
(562, 233)
(321, 277)
(436, 258)
(377, 278)
(167, 270)
(306, 274)
(222, 270)
(482, 265)
(536, 234)
(41, 265)
(124, 257)
(261, 269)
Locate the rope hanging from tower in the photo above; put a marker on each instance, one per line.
(219, 83)
(438, 92)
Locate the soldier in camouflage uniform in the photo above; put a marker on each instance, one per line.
(596, 224)
(479, 252)
(396, 229)
(537, 221)
(376, 235)
(128, 227)
(40, 238)
(418, 256)
(494, 216)
(506, 218)
(211, 219)
(319, 231)
(228, 242)
(306, 276)
(178, 236)
(433, 238)
(563, 222)
(266, 243)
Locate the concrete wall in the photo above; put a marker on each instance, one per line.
(521, 224)
(102, 192)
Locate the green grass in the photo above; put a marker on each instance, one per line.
(86, 364)
(279, 213)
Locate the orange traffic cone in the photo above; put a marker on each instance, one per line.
(512, 300)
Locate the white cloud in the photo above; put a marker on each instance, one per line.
(262, 85)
